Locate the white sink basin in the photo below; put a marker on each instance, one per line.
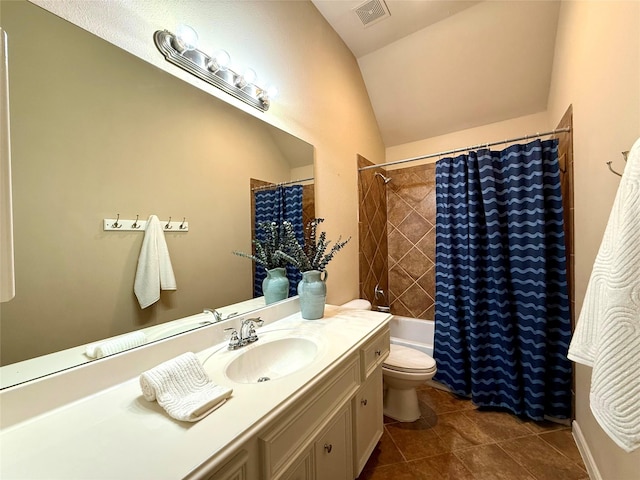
(270, 360)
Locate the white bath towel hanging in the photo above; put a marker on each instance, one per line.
(183, 389)
(607, 336)
(154, 270)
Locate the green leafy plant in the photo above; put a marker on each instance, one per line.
(266, 250)
(313, 254)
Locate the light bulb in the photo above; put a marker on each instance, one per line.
(249, 75)
(272, 91)
(219, 61)
(186, 38)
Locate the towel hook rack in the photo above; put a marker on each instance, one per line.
(624, 155)
(168, 225)
(135, 224)
(182, 227)
(116, 224)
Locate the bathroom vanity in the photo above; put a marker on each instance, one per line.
(318, 416)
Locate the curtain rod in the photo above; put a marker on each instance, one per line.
(275, 185)
(473, 147)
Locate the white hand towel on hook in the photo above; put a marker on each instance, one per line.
(154, 265)
(607, 336)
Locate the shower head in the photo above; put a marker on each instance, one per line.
(384, 179)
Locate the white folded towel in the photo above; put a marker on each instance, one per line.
(116, 345)
(183, 389)
(154, 270)
(607, 336)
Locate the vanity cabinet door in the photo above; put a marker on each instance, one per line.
(368, 420)
(333, 454)
(302, 469)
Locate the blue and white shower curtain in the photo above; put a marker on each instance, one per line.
(278, 205)
(502, 306)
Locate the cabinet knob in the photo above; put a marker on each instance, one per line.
(328, 447)
(363, 402)
(378, 353)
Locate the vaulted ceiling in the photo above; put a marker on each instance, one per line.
(433, 67)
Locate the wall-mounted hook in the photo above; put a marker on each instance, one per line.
(135, 224)
(612, 170)
(116, 224)
(624, 155)
(168, 225)
(182, 227)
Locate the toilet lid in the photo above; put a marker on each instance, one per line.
(407, 359)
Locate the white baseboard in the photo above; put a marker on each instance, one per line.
(587, 458)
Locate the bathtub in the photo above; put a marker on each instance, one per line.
(413, 332)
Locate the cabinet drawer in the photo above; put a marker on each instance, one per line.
(374, 352)
(296, 431)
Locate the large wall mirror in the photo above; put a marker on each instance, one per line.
(97, 132)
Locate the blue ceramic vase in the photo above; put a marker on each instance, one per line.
(275, 286)
(312, 291)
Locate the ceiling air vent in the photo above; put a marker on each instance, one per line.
(371, 12)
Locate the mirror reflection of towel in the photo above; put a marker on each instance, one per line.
(154, 270)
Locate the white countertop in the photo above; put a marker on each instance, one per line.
(116, 433)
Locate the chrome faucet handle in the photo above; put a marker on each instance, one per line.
(234, 340)
(257, 321)
(252, 333)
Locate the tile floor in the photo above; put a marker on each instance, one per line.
(453, 440)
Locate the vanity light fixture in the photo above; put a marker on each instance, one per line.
(181, 49)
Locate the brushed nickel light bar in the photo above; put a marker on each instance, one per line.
(180, 50)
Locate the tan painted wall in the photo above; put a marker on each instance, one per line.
(597, 69)
(493, 132)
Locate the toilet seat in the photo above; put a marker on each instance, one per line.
(409, 360)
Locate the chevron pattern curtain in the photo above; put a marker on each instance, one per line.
(502, 306)
(279, 205)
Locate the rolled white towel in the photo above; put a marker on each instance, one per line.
(183, 389)
(116, 345)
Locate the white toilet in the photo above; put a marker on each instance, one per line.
(404, 369)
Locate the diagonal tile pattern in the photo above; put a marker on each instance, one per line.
(372, 228)
(453, 440)
(411, 220)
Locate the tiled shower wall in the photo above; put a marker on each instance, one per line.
(397, 239)
(372, 226)
(411, 226)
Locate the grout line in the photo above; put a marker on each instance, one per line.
(395, 444)
(518, 463)
(562, 453)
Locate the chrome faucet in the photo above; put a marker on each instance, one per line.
(217, 316)
(247, 333)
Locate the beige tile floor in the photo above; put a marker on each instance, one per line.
(454, 440)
